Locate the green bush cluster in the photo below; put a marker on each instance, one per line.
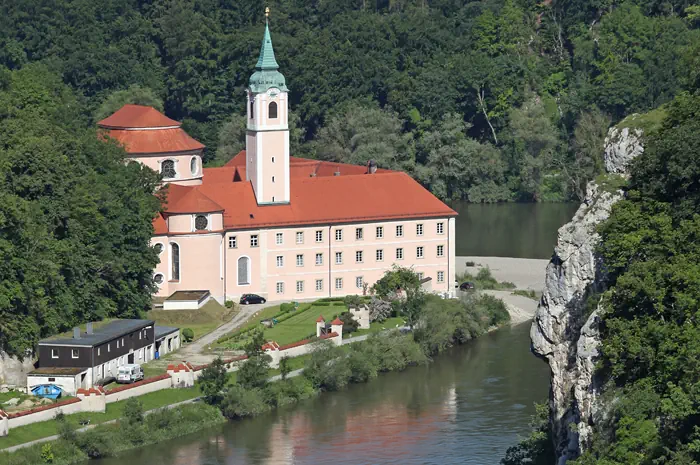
(484, 280)
(188, 334)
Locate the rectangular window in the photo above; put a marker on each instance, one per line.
(54, 353)
(440, 250)
(280, 288)
(319, 284)
(339, 258)
(74, 353)
(279, 238)
(319, 259)
(141, 354)
(117, 344)
(441, 276)
(441, 228)
(300, 237)
(380, 255)
(139, 335)
(419, 252)
(359, 281)
(338, 234)
(399, 253)
(380, 232)
(419, 230)
(338, 283)
(122, 342)
(98, 351)
(359, 234)
(358, 256)
(232, 243)
(109, 348)
(253, 240)
(399, 230)
(319, 235)
(273, 179)
(300, 260)
(280, 261)
(300, 286)
(420, 275)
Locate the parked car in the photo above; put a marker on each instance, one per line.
(251, 299)
(129, 373)
(466, 286)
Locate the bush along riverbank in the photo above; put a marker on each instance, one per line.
(439, 324)
(132, 430)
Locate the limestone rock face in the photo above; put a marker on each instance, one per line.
(564, 333)
(13, 372)
(622, 145)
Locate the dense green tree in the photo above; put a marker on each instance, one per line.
(212, 381)
(135, 94)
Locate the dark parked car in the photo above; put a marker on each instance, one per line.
(251, 299)
(466, 286)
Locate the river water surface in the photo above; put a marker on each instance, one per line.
(467, 407)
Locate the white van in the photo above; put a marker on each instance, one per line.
(129, 373)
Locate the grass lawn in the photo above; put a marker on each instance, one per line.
(202, 321)
(150, 401)
(389, 323)
(302, 325)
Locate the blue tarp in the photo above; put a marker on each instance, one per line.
(47, 390)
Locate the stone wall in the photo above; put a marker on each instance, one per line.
(13, 372)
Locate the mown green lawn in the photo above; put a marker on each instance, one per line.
(114, 410)
(389, 323)
(301, 325)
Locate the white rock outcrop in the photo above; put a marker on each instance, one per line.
(562, 332)
(13, 372)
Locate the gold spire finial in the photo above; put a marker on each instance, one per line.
(267, 12)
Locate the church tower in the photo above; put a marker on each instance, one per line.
(267, 138)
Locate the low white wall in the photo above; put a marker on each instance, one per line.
(44, 415)
(139, 390)
(69, 384)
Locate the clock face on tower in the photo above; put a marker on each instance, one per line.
(273, 91)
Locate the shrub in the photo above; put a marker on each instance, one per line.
(287, 307)
(96, 443)
(494, 309)
(253, 373)
(133, 411)
(212, 382)
(529, 293)
(284, 367)
(322, 304)
(163, 418)
(325, 368)
(47, 453)
(188, 334)
(239, 402)
(362, 366)
(379, 310)
(352, 301)
(350, 325)
(470, 263)
(229, 303)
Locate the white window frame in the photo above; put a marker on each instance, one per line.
(279, 238)
(75, 353)
(339, 258)
(300, 259)
(256, 238)
(319, 256)
(279, 287)
(338, 235)
(300, 287)
(420, 252)
(319, 285)
(300, 237)
(359, 282)
(440, 227)
(359, 234)
(279, 261)
(440, 250)
(359, 256)
(175, 163)
(421, 275)
(199, 168)
(54, 353)
(379, 255)
(319, 235)
(441, 276)
(419, 229)
(399, 253)
(232, 242)
(338, 284)
(380, 232)
(399, 230)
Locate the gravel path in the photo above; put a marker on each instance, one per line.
(521, 308)
(525, 273)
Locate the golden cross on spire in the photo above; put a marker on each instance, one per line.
(267, 12)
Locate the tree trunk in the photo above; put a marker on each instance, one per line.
(482, 104)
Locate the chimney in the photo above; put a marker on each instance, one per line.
(76, 333)
(88, 329)
(371, 167)
(337, 173)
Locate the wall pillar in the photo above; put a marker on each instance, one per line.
(93, 399)
(181, 375)
(4, 424)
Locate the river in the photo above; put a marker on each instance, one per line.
(467, 407)
(523, 230)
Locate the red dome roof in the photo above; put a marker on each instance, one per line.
(137, 117)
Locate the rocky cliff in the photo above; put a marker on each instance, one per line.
(565, 328)
(13, 372)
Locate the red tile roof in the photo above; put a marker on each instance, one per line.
(320, 319)
(317, 200)
(137, 116)
(337, 321)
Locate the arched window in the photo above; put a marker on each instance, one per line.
(167, 169)
(243, 271)
(194, 166)
(272, 110)
(175, 257)
(251, 110)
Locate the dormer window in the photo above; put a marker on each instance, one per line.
(167, 169)
(272, 110)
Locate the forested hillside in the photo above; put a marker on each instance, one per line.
(487, 101)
